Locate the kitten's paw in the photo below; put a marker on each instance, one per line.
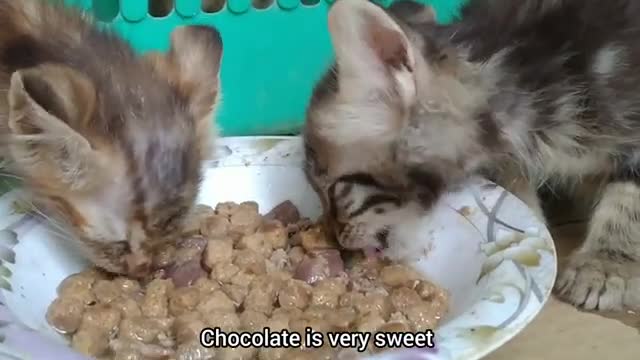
(600, 281)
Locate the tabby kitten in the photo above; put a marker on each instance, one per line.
(109, 144)
(531, 93)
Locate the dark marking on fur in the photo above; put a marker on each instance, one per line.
(375, 200)
(22, 52)
(489, 131)
(327, 87)
(383, 236)
(617, 255)
(363, 179)
(428, 186)
(346, 190)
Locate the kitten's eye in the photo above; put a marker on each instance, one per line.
(443, 57)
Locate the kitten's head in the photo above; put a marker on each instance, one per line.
(386, 75)
(112, 148)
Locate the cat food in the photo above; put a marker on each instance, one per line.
(240, 271)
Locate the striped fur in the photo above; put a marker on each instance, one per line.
(109, 144)
(531, 93)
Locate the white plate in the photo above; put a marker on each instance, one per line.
(496, 259)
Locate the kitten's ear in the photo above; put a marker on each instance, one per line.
(46, 104)
(193, 66)
(371, 48)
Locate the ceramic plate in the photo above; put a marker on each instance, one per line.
(481, 243)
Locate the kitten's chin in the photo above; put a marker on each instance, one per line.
(138, 266)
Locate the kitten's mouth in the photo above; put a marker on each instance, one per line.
(138, 265)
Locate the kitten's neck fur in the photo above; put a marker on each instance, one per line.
(543, 96)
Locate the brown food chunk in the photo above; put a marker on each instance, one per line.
(65, 314)
(242, 279)
(226, 208)
(127, 286)
(256, 242)
(423, 316)
(187, 327)
(79, 286)
(398, 275)
(194, 351)
(102, 318)
(273, 354)
(206, 286)
(215, 226)
(218, 251)
(245, 219)
(193, 222)
(127, 306)
(278, 322)
(224, 272)
(295, 294)
(139, 329)
(404, 298)
(237, 353)
(315, 239)
(250, 261)
(351, 299)
(275, 234)
(90, 342)
(225, 320)
(327, 292)
(342, 318)
(296, 255)
(165, 257)
(285, 212)
(156, 300)
(262, 295)
(394, 327)
(374, 303)
(106, 291)
(183, 300)
(216, 301)
(370, 322)
(237, 293)
(148, 351)
(127, 354)
(251, 320)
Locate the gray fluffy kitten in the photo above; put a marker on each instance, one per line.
(531, 93)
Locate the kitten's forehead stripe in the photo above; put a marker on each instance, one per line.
(373, 201)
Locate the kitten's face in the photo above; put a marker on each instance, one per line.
(358, 113)
(116, 161)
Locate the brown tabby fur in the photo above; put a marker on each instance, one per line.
(109, 144)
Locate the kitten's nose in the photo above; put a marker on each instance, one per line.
(138, 265)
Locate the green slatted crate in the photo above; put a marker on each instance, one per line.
(272, 56)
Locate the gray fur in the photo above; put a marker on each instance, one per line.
(532, 93)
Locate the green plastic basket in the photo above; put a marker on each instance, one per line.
(272, 56)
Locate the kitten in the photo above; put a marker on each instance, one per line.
(529, 93)
(109, 144)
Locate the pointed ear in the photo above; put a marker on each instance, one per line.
(371, 48)
(193, 66)
(47, 105)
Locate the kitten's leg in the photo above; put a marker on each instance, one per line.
(604, 273)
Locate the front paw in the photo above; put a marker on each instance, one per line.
(601, 280)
